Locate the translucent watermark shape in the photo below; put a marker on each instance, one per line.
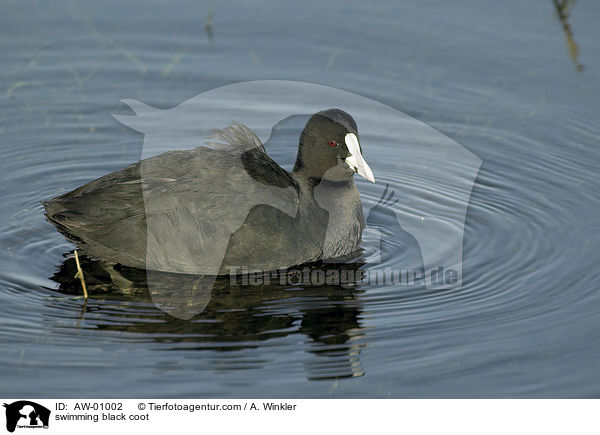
(409, 153)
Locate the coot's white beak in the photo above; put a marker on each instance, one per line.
(355, 160)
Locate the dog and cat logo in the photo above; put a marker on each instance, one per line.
(25, 414)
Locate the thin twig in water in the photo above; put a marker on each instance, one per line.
(208, 24)
(563, 10)
(79, 275)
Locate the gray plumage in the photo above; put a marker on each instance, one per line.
(206, 210)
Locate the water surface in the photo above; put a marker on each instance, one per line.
(501, 78)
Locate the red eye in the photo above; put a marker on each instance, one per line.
(332, 143)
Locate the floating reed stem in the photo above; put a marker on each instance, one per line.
(79, 275)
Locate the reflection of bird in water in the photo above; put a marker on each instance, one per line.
(398, 248)
(334, 340)
(237, 316)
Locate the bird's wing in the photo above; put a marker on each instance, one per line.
(176, 212)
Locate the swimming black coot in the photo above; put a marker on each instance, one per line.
(225, 207)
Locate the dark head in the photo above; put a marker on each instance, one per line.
(330, 149)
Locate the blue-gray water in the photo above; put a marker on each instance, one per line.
(497, 77)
